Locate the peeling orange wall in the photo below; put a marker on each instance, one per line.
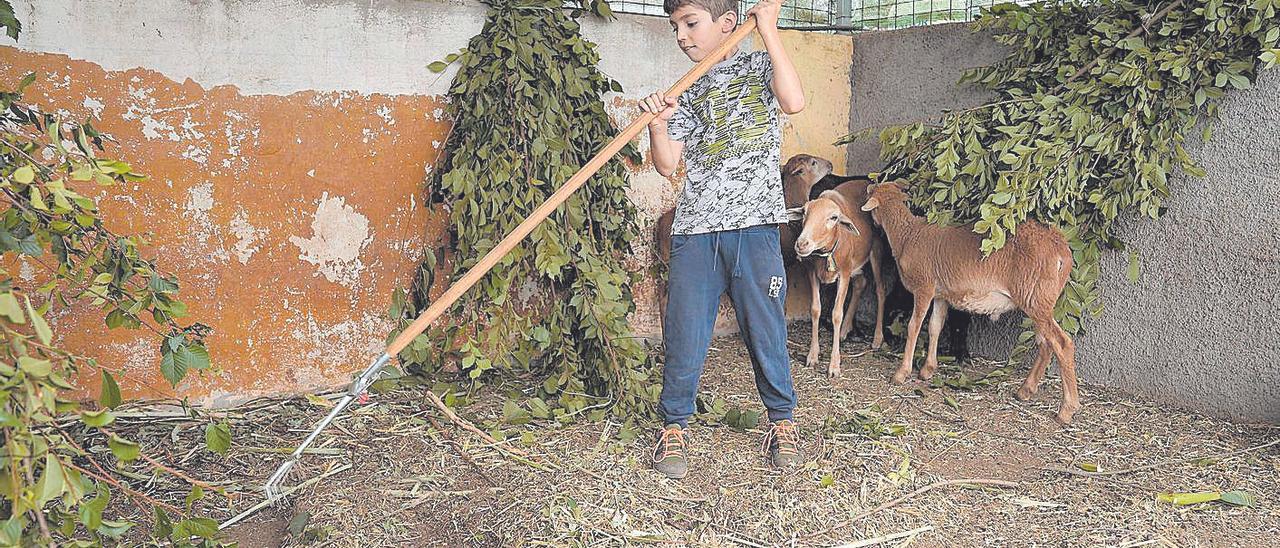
(288, 219)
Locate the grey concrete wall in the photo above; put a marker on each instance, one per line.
(908, 75)
(1199, 329)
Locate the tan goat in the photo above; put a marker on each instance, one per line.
(944, 266)
(836, 241)
(799, 175)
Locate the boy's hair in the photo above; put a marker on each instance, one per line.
(715, 7)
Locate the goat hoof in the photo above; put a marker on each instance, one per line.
(899, 377)
(1065, 413)
(833, 372)
(1024, 393)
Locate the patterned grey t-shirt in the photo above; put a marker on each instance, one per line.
(728, 122)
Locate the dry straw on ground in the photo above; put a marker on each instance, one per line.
(885, 476)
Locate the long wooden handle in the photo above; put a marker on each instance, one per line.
(455, 291)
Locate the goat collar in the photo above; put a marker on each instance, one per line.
(829, 254)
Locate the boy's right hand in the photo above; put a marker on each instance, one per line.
(664, 106)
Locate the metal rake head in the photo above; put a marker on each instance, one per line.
(274, 487)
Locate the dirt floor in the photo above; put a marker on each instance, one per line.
(417, 479)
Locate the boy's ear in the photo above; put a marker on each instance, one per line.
(728, 21)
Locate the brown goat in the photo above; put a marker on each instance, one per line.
(799, 176)
(662, 238)
(836, 241)
(944, 266)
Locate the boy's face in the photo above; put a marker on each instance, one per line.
(697, 33)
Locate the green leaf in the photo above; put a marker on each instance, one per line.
(170, 368)
(114, 529)
(1239, 498)
(217, 437)
(10, 308)
(194, 356)
(1087, 466)
(196, 526)
(1184, 499)
(436, 67)
(43, 333)
(110, 393)
(34, 366)
(11, 531)
(116, 318)
(52, 480)
(123, 449)
(24, 174)
(163, 527)
(97, 419)
(91, 512)
(827, 480)
(12, 27)
(1270, 57)
(196, 494)
(159, 284)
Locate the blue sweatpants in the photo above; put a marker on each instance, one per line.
(748, 264)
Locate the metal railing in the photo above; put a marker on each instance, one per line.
(845, 15)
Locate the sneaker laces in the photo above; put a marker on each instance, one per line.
(785, 435)
(671, 444)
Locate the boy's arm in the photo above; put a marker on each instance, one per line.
(663, 152)
(786, 81)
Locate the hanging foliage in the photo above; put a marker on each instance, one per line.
(527, 110)
(1093, 105)
(57, 475)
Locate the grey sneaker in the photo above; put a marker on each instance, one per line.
(782, 444)
(669, 453)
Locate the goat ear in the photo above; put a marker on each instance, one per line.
(847, 222)
(871, 204)
(795, 214)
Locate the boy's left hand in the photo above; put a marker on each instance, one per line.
(766, 12)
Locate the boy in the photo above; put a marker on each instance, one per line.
(725, 234)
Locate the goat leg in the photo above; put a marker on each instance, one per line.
(837, 317)
(815, 312)
(851, 309)
(877, 338)
(1065, 350)
(913, 332)
(936, 320)
(1044, 353)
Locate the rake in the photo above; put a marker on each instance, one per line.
(274, 487)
